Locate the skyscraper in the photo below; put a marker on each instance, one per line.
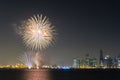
(93, 62)
(76, 63)
(101, 61)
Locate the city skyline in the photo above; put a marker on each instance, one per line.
(83, 27)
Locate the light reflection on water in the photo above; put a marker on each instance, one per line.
(37, 74)
(59, 74)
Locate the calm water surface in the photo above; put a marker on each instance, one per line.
(59, 74)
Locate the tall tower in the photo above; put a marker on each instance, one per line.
(101, 61)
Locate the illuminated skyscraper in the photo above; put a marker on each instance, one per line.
(101, 61)
(108, 62)
(76, 63)
(93, 62)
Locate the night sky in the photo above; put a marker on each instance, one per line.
(83, 27)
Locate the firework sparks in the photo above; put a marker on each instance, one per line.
(32, 59)
(27, 59)
(37, 32)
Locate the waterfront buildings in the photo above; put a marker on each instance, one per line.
(104, 61)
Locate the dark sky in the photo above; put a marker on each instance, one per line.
(83, 27)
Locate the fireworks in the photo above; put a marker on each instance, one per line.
(32, 59)
(38, 59)
(27, 59)
(37, 32)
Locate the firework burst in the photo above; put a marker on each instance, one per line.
(30, 59)
(37, 32)
(27, 59)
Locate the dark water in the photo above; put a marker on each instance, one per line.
(59, 74)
